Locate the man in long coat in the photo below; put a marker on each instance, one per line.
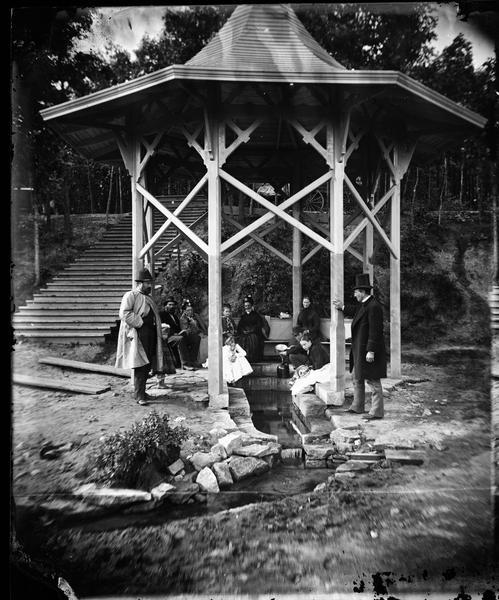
(139, 338)
(367, 352)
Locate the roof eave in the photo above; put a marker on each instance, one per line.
(179, 72)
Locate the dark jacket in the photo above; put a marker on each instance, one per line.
(367, 336)
(172, 320)
(308, 318)
(318, 355)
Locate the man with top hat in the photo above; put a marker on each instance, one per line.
(140, 338)
(367, 352)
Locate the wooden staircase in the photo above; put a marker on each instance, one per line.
(81, 304)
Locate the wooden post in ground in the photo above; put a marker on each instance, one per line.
(137, 203)
(335, 135)
(395, 336)
(367, 263)
(149, 227)
(297, 268)
(214, 138)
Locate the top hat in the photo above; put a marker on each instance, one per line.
(249, 299)
(362, 282)
(144, 275)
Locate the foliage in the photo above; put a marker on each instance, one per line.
(361, 38)
(122, 455)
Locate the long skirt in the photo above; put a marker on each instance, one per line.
(253, 345)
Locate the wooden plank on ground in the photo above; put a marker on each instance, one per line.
(58, 384)
(407, 457)
(84, 366)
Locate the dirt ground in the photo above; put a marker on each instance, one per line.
(408, 528)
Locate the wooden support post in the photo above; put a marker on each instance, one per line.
(335, 134)
(367, 263)
(149, 227)
(137, 202)
(395, 336)
(217, 397)
(297, 268)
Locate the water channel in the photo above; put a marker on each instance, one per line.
(272, 412)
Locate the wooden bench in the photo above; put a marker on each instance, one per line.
(281, 331)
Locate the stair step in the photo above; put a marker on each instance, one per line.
(78, 286)
(18, 319)
(88, 293)
(62, 327)
(63, 337)
(50, 312)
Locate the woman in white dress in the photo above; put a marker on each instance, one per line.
(235, 363)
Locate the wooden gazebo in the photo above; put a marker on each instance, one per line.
(264, 101)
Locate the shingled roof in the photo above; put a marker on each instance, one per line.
(265, 37)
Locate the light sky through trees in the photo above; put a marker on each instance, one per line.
(126, 26)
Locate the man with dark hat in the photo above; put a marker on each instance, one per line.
(139, 339)
(367, 352)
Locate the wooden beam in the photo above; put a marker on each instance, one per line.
(52, 383)
(137, 208)
(217, 397)
(334, 132)
(250, 242)
(177, 222)
(195, 190)
(150, 149)
(275, 210)
(84, 366)
(370, 216)
(395, 327)
(297, 269)
(360, 226)
(243, 136)
(309, 137)
(180, 236)
(258, 239)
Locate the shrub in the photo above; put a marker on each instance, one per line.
(150, 443)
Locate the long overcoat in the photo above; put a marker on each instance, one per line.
(130, 353)
(367, 336)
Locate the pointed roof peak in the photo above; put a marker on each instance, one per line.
(266, 38)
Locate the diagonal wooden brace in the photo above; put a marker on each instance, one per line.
(192, 141)
(243, 136)
(274, 210)
(177, 222)
(150, 148)
(370, 216)
(259, 240)
(358, 229)
(176, 213)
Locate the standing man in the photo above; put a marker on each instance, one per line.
(139, 339)
(367, 353)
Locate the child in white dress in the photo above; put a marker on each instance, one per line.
(235, 363)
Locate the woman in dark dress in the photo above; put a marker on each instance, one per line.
(250, 331)
(308, 318)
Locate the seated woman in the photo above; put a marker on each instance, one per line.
(308, 318)
(319, 370)
(252, 330)
(235, 364)
(293, 352)
(192, 326)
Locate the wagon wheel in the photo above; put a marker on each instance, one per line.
(314, 202)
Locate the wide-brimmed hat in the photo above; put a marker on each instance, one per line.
(362, 282)
(171, 299)
(144, 275)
